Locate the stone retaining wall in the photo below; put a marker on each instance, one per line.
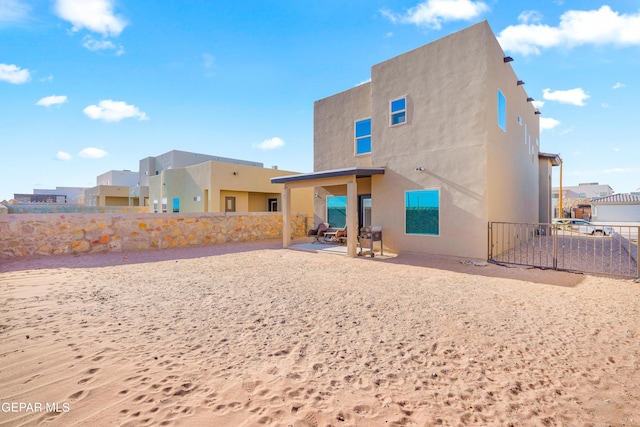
(55, 234)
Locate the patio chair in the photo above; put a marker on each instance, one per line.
(336, 235)
(318, 232)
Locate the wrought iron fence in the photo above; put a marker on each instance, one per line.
(603, 249)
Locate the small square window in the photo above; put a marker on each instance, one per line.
(398, 111)
(363, 136)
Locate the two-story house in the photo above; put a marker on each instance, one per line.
(441, 141)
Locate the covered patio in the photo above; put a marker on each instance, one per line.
(345, 176)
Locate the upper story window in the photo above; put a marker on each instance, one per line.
(502, 111)
(398, 111)
(363, 136)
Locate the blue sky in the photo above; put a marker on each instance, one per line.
(88, 86)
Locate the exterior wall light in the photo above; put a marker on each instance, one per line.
(520, 82)
(420, 168)
(507, 59)
(537, 112)
(530, 99)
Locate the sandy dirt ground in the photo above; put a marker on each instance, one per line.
(253, 335)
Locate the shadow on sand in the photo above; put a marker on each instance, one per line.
(108, 259)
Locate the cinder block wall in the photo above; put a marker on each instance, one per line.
(55, 234)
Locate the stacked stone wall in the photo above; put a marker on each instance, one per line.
(56, 234)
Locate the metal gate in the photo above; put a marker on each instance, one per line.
(602, 249)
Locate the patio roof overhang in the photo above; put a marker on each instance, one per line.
(345, 176)
(358, 172)
(554, 158)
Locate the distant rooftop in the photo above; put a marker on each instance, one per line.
(618, 198)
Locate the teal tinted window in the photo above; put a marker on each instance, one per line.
(502, 111)
(337, 211)
(398, 111)
(363, 136)
(422, 212)
(176, 204)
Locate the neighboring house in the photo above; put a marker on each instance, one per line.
(583, 190)
(441, 141)
(214, 186)
(112, 189)
(107, 195)
(152, 166)
(123, 178)
(181, 181)
(59, 195)
(173, 159)
(616, 208)
(576, 199)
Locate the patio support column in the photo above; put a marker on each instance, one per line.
(286, 216)
(352, 217)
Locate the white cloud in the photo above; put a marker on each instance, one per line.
(616, 149)
(547, 123)
(92, 153)
(95, 45)
(14, 74)
(48, 101)
(618, 85)
(529, 16)
(94, 15)
(270, 144)
(113, 111)
(432, 13)
(577, 27)
(14, 11)
(572, 96)
(63, 156)
(537, 104)
(49, 78)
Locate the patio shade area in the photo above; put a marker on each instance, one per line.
(345, 176)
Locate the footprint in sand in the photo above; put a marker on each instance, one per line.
(310, 420)
(250, 386)
(77, 395)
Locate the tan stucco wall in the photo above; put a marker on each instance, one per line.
(55, 234)
(333, 132)
(512, 160)
(483, 173)
(107, 195)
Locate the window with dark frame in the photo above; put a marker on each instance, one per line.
(363, 136)
(398, 111)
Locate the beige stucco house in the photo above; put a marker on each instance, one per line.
(219, 186)
(442, 140)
